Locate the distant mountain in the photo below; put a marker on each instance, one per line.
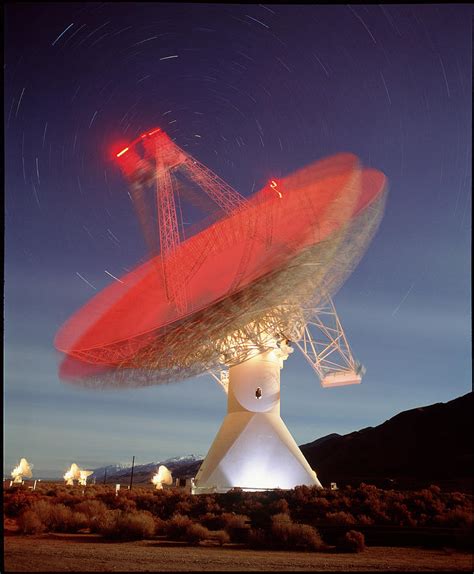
(180, 466)
(415, 448)
(422, 446)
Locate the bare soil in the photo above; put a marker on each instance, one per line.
(89, 553)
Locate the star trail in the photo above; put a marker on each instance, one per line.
(254, 92)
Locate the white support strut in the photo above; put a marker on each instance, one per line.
(327, 350)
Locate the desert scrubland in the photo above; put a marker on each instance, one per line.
(59, 528)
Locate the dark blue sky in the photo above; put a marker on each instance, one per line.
(253, 91)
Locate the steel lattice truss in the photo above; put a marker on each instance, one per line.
(324, 345)
(156, 167)
(284, 296)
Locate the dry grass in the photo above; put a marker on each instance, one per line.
(86, 553)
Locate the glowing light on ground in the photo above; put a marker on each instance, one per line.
(23, 470)
(163, 476)
(75, 474)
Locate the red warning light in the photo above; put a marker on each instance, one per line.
(274, 185)
(122, 152)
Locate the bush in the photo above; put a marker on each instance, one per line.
(176, 527)
(30, 523)
(43, 510)
(236, 526)
(279, 506)
(286, 535)
(116, 524)
(15, 503)
(221, 537)
(308, 537)
(352, 541)
(211, 521)
(195, 533)
(136, 525)
(290, 536)
(58, 517)
(160, 525)
(364, 520)
(63, 519)
(231, 520)
(258, 538)
(457, 518)
(93, 510)
(340, 518)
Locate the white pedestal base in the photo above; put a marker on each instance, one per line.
(253, 449)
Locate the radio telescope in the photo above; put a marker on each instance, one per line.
(230, 298)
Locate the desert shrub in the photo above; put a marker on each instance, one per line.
(43, 509)
(352, 541)
(68, 498)
(456, 518)
(104, 523)
(259, 513)
(78, 522)
(307, 537)
(221, 537)
(279, 506)
(435, 489)
(231, 520)
(30, 523)
(236, 526)
(91, 508)
(184, 507)
(234, 497)
(145, 502)
(205, 504)
(160, 525)
(166, 502)
(285, 534)
(320, 505)
(58, 517)
(195, 533)
(125, 503)
(258, 538)
(401, 515)
(107, 497)
(63, 519)
(340, 518)
(136, 525)
(176, 527)
(117, 524)
(211, 521)
(364, 520)
(15, 503)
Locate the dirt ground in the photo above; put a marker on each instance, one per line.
(88, 553)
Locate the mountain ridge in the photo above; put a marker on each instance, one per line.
(421, 446)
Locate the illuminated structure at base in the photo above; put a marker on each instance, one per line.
(228, 295)
(253, 449)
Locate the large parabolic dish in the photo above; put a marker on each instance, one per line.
(255, 273)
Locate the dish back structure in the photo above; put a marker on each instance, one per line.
(230, 299)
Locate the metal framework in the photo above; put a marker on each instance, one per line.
(324, 345)
(252, 279)
(221, 377)
(161, 157)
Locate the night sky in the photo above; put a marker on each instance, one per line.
(254, 92)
